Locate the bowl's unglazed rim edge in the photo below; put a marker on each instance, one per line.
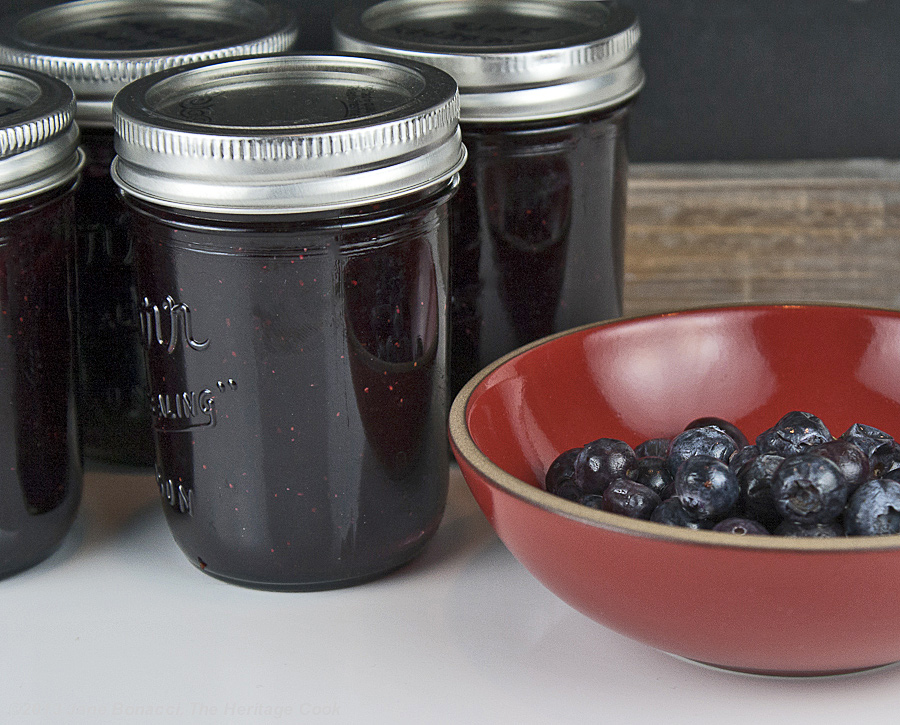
(466, 447)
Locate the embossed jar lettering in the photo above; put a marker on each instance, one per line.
(178, 329)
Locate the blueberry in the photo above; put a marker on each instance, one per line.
(741, 526)
(795, 432)
(568, 489)
(706, 487)
(850, 458)
(809, 489)
(653, 447)
(653, 472)
(630, 498)
(884, 459)
(673, 513)
(830, 530)
(602, 461)
(708, 441)
(736, 434)
(742, 456)
(755, 479)
(561, 469)
(866, 437)
(592, 500)
(874, 509)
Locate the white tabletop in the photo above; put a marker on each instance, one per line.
(119, 627)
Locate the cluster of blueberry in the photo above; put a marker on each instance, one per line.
(795, 480)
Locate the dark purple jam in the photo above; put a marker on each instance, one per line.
(297, 373)
(538, 234)
(113, 404)
(40, 459)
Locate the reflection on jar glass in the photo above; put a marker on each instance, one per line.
(528, 207)
(392, 315)
(537, 235)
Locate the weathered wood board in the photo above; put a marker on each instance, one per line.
(713, 234)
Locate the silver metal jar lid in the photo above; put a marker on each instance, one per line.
(514, 60)
(98, 46)
(287, 134)
(38, 135)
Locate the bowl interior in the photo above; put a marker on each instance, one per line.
(649, 377)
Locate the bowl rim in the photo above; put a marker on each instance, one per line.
(466, 448)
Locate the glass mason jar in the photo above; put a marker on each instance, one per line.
(97, 47)
(290, 226)
(40, 457)
(538, 225)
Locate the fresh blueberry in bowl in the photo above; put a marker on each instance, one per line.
(672, 512)
(741, 527)
(884, 459)
(849, 457)
(755, 482)
(798, 530)
(602, 461)
(709, 441)
(743, 456)
(726, 426)
(654, 447)
(561, 473)
(809, 489)
(706, 487)
(591, 500)
(867, 437)
(630, 498)
(653, 472)
(874, 509)
(794, 432)
(568, 489)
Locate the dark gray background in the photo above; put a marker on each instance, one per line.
(751, 79)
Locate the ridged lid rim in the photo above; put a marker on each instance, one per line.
(559, 73)
(197, 164)
(38, 135)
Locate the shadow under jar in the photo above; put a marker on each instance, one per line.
(40, 457)
(538, 225)
(97, 48)
(290, 225)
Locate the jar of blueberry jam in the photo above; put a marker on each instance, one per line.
(290, 227)
(97, 47)
(538, 224)
(40, 457)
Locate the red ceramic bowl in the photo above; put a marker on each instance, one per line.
(772, 605)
